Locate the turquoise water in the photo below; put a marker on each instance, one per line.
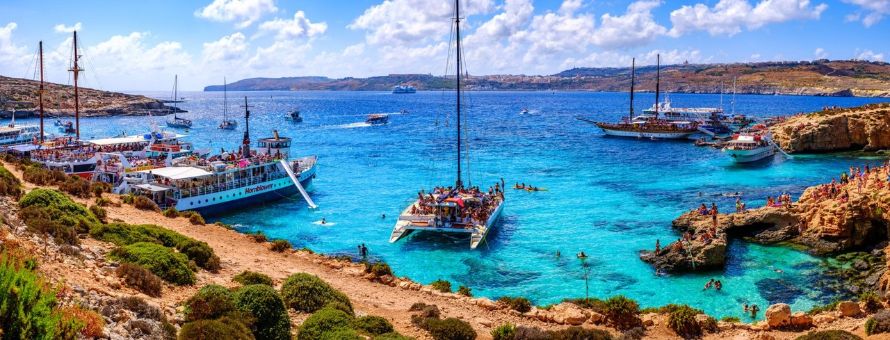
(608, 197)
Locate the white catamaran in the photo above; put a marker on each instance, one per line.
(227, 124)
(453, 209)
(175, 121)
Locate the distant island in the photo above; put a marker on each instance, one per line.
(20, 96)
(846, 78)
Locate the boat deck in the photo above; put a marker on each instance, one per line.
(409, 220)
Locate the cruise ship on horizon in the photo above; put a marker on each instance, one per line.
(403, 89)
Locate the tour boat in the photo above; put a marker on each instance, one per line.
(453, 209)
(175, 121)
(230, 180)
(227, 124)
(653, 127)
(67, 128)
(750, 146)
(403, 89)
(377, 119)
(294, 116)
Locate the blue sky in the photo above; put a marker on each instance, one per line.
(140, 45)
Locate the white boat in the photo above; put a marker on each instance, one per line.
(18, 134)
(453, 209)
(751, 146)
(227, 124)
(175, 121)
(403, 89)
(377, 119)
(227, 181)
(294, 116)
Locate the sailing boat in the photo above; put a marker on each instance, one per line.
(453, 209)
(651, 127)
(177, 122)
(227, 124)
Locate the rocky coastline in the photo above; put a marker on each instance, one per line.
(19, 97)
(864, 128)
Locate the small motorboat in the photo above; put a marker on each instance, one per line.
(523, 112)
(294, 116)
(377, 119)
(67, 128)
(228, 124)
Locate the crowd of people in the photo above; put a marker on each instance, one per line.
(472, 205)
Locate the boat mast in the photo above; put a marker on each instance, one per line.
(632, 74)
(225, 101)
(39, 92)
(76, 70)
(657, 81)
(458, 184)
(733, 96)
(245, 144)
(175, 84)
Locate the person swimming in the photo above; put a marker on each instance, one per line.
(323, 221)
(582, 255)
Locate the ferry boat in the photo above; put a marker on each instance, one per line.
(652, 127)
(226, 124)
(377, 119)
(175, 121)
(67, 128)
(403, 89)
(18, 134)
(294, 116)
(453, 209)
(226, 181)
(751, 146)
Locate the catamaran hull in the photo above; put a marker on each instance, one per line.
(646, 134)
(477, 235)
(753, 155)
(226, 201)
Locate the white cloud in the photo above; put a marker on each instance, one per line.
(406, 22)
(515, 15)
(61, 28)
(820, 53)
(754, 57)
(230, 47)
(243, 12)
(728, 17)
(8, 49)
(875, 11)
(869, 55)
(636, 27)
(283, 55)
(556, 32)
(299, 27)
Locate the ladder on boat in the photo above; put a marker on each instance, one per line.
(773, 143)
(299, 186)
(707, 132)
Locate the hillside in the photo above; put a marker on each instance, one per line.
(21, 95)
(820, 77)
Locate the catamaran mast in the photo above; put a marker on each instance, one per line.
(458, 184)
(40, 92)
(245, 144)
(225, 101)
(657, 81)
(175, 85)
(632, 74)
(76, 70)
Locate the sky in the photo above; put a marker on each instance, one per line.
(141, 45)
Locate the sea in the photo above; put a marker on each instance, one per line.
(608, 197)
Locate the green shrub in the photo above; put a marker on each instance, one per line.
(162, 261)
(878, 323)
(622, 312)
(341, 334)
(519, 304)
(682, 320)
(171, 212)
(450, 329)
(824, 308)
(441, 285)
(308, 293)
(40, 221)
(210, 302)
(53, 198)
(224, 328)
(730, 319)
(99, 213)
(140, 278)
(391, 336)
(27, 305)
(51, 212)
(89, 323)
(322, 321)
(576, 332)
(253, 278)
(280, 245)
(373, 325)
(829, 335)
(125, 234)
(39, 175)
(267, 309)
(99, 188)
(871, 301)
(504, 332)
(9, 185)
(201, 253)
(145, 203)
(670, 308)
(340, 306)
(76, 186)
(196, 219)
(103, 202)
(128, 199)
(258, 236)
(465, 291)
(378, 268)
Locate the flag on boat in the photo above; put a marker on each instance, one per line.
(458, 200)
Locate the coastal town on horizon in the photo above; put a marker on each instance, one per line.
(446, 170)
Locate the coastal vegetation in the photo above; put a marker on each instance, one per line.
(162, 261)
(307, 293)
(268, 310)
(140, 278)
(253, 278)
(441, 285)
(280, 245)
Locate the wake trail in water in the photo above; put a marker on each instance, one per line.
(348, 126)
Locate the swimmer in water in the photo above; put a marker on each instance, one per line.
(323, 221)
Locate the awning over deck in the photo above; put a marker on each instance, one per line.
(183, 172)
(152, 188)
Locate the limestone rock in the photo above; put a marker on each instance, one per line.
(778, 315)
(801, 320)
(849, 309)
(648, 319)
(486, 303)
(836, 130)
(824, 318)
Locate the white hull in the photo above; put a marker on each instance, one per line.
(477, 234)
(646, 134)
(753, 155)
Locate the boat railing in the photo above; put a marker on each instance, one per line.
(229, 185)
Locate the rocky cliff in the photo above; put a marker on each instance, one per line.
(20, 96)
(860, 128)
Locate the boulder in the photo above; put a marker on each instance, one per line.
(801, 320)
(849, 309)
(486, 303)
(824, 318)
(778, 315)
(568, 314)
(596, 318)
(648, 319)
